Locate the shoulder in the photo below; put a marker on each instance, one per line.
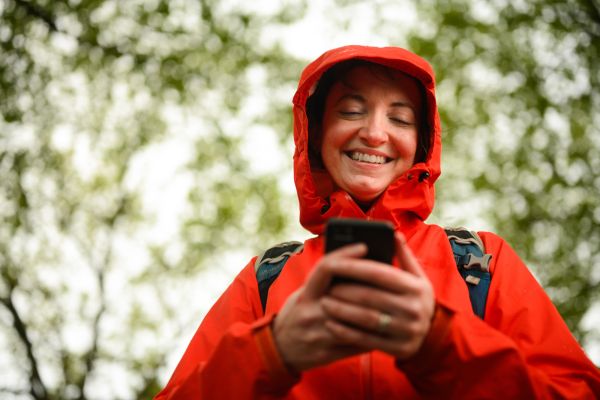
(492, 241)
(504, 257)
(459, 234)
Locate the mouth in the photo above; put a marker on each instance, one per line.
(368, 158)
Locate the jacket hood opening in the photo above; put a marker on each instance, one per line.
(315, 108)
(412, 192)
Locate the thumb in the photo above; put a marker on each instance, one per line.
(406, 258)
(319, 280)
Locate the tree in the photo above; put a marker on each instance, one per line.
(89, 89)
(517, 84)
(519, 105)
(95, 286)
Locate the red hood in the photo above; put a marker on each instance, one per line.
(410, 197)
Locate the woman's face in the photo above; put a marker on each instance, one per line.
(370, 130)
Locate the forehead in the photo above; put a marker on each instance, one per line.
(365, 78)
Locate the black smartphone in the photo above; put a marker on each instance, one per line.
(377, 235)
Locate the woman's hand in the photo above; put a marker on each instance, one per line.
(389, 310)
(300, 329)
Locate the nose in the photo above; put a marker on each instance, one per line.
(373, 132)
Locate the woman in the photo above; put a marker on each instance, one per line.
(368, 146)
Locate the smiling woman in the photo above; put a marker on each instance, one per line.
(365, 127)
(369, 131)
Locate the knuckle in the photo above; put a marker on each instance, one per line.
(346, 334)
(373, 321)
(407, 349)
(355, 337)
(414, 329)
(412, 310)
(311, 338)
(339, 291)
(335, 308)
(362, 295)
(308, 318)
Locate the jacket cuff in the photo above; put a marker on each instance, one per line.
(282, 377)
(433, 344)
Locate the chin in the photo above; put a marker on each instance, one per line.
(363, 196)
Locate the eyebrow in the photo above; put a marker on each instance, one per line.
(351, 96)
(358, 97)
(402, 104)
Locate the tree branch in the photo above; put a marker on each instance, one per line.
(92, 353)
(594, 7)
(37, 389)
(100, 268)
(38, 12)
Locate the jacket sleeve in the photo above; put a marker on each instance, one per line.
(523, 349)
(232, 355)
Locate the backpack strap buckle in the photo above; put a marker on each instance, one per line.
(269, 264)
(473, 265)
(277, 253)
(479, 263)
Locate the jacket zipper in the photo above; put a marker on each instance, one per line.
(366, 375)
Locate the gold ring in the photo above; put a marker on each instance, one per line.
(383, 322)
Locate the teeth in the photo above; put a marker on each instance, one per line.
(369, 158)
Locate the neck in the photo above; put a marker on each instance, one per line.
(364, 205)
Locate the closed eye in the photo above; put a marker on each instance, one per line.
(350, 114)
(400, 121)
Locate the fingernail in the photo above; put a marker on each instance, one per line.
(357, 245)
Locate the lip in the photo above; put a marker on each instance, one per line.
(364, 166)
(371, 152)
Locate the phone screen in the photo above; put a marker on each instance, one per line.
(377, 235)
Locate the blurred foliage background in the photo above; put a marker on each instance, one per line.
(145, 153)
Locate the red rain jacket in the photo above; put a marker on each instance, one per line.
(522, 350)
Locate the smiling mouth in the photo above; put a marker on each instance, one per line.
(367, 158)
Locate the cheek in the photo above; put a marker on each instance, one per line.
(332, 140)
(406, 144)
(327, 150)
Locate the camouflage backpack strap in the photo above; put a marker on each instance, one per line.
(269, 264)
(473, 265)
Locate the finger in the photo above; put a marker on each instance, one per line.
(361, 294)
(367, 319)
(320, 278)
(406, 258)
(374, 298)
(380, 275)
(360, 317)
(369, 341)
